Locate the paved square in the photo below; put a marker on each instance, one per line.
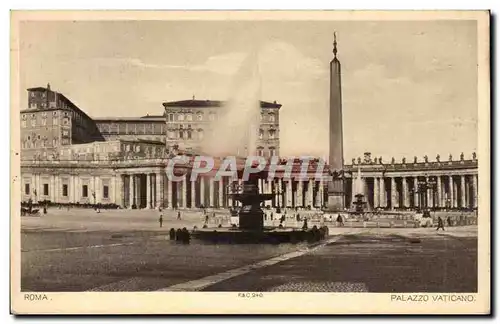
(126, 250)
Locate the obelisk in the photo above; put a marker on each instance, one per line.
(336, 153)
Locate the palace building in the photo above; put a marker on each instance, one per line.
(190, 121)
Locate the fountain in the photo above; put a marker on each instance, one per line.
(251, 227)
(235, 132)
(251, 215)
(359, 204)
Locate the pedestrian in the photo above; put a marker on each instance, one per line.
(178, 215)
(340, 220)
(172, 234)
(448, 221)
(161, 220)
(206, 219)
(440, 224)
(304, 227)
(178, 235)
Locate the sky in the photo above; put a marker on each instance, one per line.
(409, 88)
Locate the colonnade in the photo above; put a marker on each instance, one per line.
(153, 190)
(417, 191)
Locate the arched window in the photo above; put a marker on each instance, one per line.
(272, 133)
(189, 117)
(271, 117)
(260, 151)
(261, 134)
(180, 117)
(171, 117)
(272, 151)
(199, 116)
(181, 132)
(189, 134)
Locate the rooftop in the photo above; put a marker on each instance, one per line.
(194, 103)
(59, 95)
(126, 119)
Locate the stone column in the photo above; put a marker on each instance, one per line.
(299, 197)
(119, 190)
(462, 191)
(74, 189)
(279, 193)
(451, 191)
(383, 200)
(184, 193)
(474, 191)
(376, 192)
(364, 188)
(289, 193)
(321, 193)
(404, 182)
(467, 195)
(439, 192)
(159, 190)
(221, 192)
(211, 197)
(131, 191)
(193, 194)
(229, 189)
(52, 188)
(148, 190)
(393, 193)
(310, 193)
(202, 191)
(353, 191)
(269, 186)
(416, 197)
(169, 193)
(71, 189)
(455, 194)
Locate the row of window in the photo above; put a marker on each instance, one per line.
(44, 115)
(262, 152)
(43, 122)
(38, 142)
(171, 117)
(85, 190)
(32, 94)
(132, 129)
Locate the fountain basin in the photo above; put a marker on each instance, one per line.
(268, 235)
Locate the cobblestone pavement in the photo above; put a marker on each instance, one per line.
(377, 262)
(121, 250)
(311, 286)
(131, 261)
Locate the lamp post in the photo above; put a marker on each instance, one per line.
(423, 187)
(93, 196)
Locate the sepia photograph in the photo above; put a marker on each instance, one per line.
(250, 162)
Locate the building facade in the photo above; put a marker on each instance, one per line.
(190, 121)
(52, 120)
(149, 128)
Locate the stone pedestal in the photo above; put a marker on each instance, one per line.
(336, 195)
